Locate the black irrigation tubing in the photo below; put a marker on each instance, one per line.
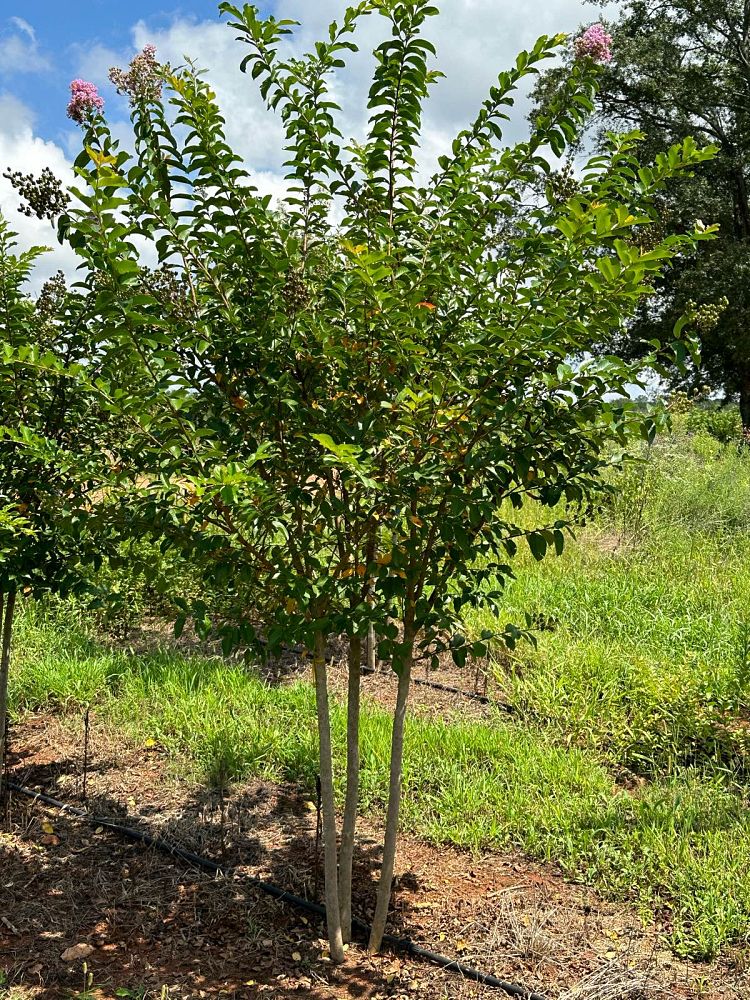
(475, 695)
(405, 945)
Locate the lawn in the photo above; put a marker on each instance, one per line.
(625, 761)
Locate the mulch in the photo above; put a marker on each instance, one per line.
(153, 926)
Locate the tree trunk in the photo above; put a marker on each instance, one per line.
(394, 802)
(745, 408)
(371, 649)
(6, 630)
(346, 852)
(333, 912)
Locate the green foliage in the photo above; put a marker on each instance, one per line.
(51, 436)
(721, 422)
(327, 416)
(644, 655)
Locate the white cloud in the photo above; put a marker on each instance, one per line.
(25, 27)
(94, 61)
(19, 52)
(21, 149)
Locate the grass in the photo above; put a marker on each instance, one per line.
(642, 673)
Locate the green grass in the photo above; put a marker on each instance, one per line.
(645, 670)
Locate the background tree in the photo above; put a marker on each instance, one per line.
(682, 68)
(336, 420)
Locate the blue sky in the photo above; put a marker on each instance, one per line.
(61, 34)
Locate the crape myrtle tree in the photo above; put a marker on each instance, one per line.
(343, 399)
(50, 443)
(681, 68)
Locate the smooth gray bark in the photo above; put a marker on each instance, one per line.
(348, 827)
(392, 814)
(330, 853)
(7, 609)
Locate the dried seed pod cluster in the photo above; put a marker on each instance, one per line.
(45, 196)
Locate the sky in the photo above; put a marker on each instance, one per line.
(44, 44)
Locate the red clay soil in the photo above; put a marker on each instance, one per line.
(153, 926)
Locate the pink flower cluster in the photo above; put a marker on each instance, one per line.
(143, 80)
(85, 102)
(595, 42)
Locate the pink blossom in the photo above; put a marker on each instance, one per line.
(85, 102)
(595, 42)
(143, 80)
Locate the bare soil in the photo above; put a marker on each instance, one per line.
(155, 927)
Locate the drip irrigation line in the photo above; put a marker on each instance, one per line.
(474, 695)
(405, 945)
(483, 699)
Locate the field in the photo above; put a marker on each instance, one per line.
(614, 768)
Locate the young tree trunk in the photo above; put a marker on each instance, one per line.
(371, 650)
(346, 852)
(330, 859)
(394, 802)
(7, 608)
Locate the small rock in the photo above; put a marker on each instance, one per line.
(77, 952)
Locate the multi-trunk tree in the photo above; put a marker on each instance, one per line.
(337, 404)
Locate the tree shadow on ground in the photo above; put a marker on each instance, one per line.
(152, 920)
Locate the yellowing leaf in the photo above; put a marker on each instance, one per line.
(99, 158)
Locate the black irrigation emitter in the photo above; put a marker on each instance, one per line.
(404, 945)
